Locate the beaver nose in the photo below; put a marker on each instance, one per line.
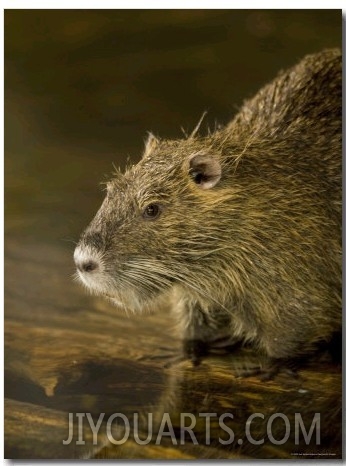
(87, 266)
(85, 263)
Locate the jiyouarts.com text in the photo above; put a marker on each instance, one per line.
(118, 429)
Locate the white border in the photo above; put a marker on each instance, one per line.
(171, 4)
(129, 4)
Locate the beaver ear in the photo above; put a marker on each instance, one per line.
(150, 144)
(205, 170)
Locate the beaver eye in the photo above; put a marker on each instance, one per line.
(152, 211)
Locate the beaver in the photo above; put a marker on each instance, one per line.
(241, 227)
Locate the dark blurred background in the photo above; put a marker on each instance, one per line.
(82, 88)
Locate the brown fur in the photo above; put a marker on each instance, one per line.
(248, 241)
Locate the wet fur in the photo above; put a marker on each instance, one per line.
(257, 256)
